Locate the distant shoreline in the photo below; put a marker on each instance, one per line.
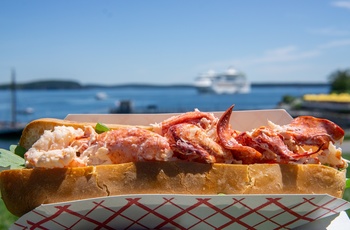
(62, 84)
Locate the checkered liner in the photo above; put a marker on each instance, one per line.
(184, 212)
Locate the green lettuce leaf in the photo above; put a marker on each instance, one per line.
(10, 160)
(347, 185)
(18, 150)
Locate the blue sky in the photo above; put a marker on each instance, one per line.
(166, 42)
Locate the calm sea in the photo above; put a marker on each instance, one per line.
(59, 103)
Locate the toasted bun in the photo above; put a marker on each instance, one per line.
(32, 132)
(25, 189)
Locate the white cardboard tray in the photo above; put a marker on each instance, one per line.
(188, 212)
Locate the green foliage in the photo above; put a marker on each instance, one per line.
(340, 81)
(288, 99)
(6, 218)
(346, 195)
(10, 160)
(292, 101)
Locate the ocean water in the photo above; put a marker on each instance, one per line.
(59, 103)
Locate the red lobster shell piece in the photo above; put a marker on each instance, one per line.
(245, 154)
(308, 130)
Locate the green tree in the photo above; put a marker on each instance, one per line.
(340, 81)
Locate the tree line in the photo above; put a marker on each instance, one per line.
(340, 81)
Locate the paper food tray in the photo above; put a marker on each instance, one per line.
(189, 211)
(185, 212)
(240, 120)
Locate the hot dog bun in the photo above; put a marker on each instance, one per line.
(25, 189)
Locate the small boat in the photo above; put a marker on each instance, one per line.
(123, 106)
(100, 96)
(228, 82)
(12, 129)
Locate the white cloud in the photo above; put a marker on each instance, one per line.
(288, 55)
(336, 43)
(342, 4)
(285, 54)
(277, 56)
(280, 70)
(330, 32)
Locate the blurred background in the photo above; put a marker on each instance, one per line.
(64, 57)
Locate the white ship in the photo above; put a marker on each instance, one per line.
(228, 82)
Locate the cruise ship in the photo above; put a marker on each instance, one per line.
(229, 82)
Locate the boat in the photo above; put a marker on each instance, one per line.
(123, 106)
(101, 96)
(12, 129)
(229, 82)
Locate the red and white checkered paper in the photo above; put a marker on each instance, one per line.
(184, 212)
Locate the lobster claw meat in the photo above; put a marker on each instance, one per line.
(192, 143)
(192, 137)
(226, 136)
